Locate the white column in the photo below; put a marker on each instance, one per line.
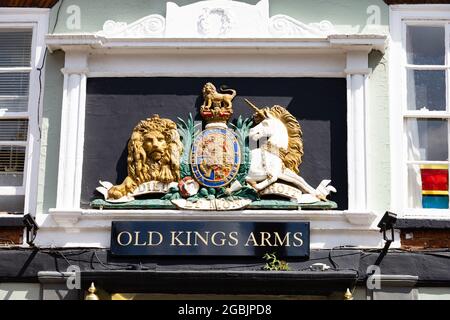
(72, 130)
(357, 71)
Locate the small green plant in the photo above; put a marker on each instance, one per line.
(273, 264)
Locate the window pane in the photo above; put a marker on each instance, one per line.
(426, 90)
(425, 45)
(427, 139)
(14, 92)
(428, 186)
(12, 159)
(15, 48)
(13, 130)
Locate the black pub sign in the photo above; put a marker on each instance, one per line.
(210, 238)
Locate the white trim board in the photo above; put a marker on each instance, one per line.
(338, 42)
(91, 228)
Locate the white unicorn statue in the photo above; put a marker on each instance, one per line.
(279, 155)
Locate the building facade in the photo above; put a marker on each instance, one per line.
(366, 80)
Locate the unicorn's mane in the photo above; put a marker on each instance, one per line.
(292, 158)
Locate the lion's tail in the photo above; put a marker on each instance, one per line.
(225, 88)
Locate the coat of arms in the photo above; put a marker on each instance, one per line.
(227, 166)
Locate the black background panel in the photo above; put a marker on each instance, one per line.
(115, 105)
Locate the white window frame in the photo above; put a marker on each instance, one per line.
(36, 20)
(400, 17)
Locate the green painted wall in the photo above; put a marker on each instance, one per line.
(51, 120)
(342, 13)
(378, 168)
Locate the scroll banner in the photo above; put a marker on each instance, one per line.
(144, 188)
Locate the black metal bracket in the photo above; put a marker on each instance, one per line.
(386, 224)
(31, 228)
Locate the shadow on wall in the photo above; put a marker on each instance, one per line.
(51, 129)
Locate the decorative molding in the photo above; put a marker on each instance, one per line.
(65, 218)
(216, 19)
(333, 44)
(286, 26)
(149, 26)
(215, 22)
(67, 71)
(72, 130)
(91, 228)
(225, 19)
(78, 219)
(325, 219)
(360, 218)
(358, 71)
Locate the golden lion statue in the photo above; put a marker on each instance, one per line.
(154, 153)
(215, 99)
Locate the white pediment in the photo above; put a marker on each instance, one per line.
(285, 26)
(150, 26)
(217, 19)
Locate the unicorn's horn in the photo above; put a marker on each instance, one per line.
(255, 108)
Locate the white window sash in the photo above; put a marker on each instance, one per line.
(402, 16)
(15, 69)
(12, 191)
(418, 114)
(37, 20)
(15, 115)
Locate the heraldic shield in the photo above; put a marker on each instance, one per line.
(215, 157)
(249, 164)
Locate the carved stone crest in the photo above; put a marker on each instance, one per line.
(215, 22)
(217, 168)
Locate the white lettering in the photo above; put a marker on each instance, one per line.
(119, 238)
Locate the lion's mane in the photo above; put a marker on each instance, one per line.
(141, 167)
